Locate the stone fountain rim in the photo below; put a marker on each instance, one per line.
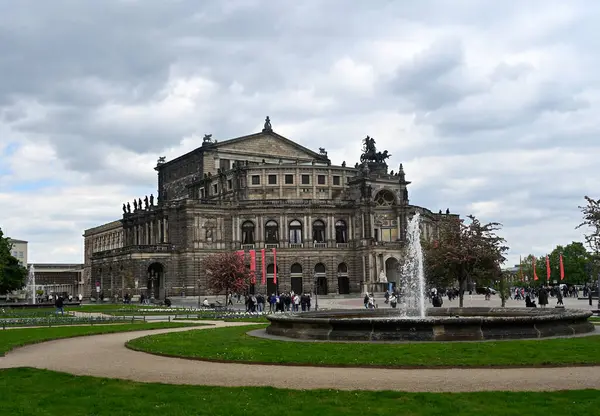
(386, 315)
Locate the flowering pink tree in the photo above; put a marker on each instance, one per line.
(226, 273)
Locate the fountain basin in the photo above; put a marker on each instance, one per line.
(440, 324)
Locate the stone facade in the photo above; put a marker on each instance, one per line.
(333, 227)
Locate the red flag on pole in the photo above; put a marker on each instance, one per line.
(263, 281)
(274, 266)
(253, 266)
(548, 272)
(535, 277)
(562, 268)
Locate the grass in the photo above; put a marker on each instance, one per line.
(232, 344)
(41, 392)
(13, 338)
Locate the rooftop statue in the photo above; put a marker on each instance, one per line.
(268, 126)
(370, 153)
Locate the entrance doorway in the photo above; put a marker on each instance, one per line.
(321, 278)
(271, 285)
(392, 271)
(343, 280)
(296, 277)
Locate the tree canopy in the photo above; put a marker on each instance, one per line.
(12, 274)
(464, 251)
(227, 273)
(576, 260)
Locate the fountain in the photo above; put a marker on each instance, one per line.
(31, 284)
(412, 280)
(413, 322)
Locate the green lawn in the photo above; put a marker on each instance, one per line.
(40, 392)
(12, 338)
(232, 344)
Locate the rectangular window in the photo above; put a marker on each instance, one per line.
(336, 180)
(289, 179)
(272, 179)
(305, 179)
(229, 184)
(201, 192)
(255, 179)
(224, 164)
(321, 179)
(215, 189)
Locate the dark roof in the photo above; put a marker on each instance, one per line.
(211, 146)
(14, 240)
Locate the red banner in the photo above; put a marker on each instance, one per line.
(562, 268)
(253, 266)
(548, 272)
(263, 281)
(274, 266)
(534, 271)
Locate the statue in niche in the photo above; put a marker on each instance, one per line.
(209, 234)
(151, 199)
(124, 209)
(382, 277)
(140, 203)
(146, 202)
(268, 126)
(135, 205)
(128, 208)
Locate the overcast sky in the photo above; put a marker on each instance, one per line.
(491, 106)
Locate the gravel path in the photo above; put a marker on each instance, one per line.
(106, 356)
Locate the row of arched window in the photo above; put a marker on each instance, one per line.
(295, 230)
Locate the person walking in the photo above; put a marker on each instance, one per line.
(59, 304)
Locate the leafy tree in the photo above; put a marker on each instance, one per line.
(591, 220)
(464, 251)
(575, 261)
(226, 273)
(12, 275)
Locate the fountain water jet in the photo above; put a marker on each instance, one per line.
(412, 280)
(31, 283)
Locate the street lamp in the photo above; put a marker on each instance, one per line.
(152, 278)
(316, 292)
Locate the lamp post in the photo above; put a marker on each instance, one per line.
(316, 292)
(152, 278)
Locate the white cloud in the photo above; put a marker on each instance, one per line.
(492, 108)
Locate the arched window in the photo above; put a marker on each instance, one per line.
(295, 232)
(319, 231)
(342, 268)
(296, 268)
(319, 268)
(385, 198)
(248, 232)
(341, 232)
(271, 232)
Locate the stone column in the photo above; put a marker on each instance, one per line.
(399, 227)
(372, 217)
(152, 238)
(166, 230)
(305, 229)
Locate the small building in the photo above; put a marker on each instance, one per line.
(19, 250)
(59, 278)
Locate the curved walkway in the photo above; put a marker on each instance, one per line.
(106, 356)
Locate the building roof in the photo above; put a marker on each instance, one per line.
(271, 133)
(14, 240)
